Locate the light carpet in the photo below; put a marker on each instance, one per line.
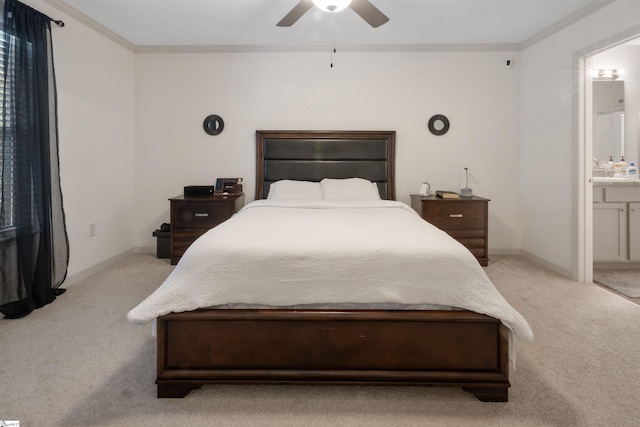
(78, 362)
(626, 282)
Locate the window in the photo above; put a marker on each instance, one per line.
(7, 146)
(33, 236)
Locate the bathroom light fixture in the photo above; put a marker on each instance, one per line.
(612, 74)
(332, 5)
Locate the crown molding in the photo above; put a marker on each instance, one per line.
(346, 48)
(100, 29)
(564, 23)
(95, 26)
(614, 40)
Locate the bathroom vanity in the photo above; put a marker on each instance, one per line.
(616, 220)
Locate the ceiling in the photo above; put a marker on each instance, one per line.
(244, 24)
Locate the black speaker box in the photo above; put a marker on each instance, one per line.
(199, 190)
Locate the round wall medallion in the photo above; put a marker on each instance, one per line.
(213, 124)
(438, 124)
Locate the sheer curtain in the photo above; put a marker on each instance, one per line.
(34, 249)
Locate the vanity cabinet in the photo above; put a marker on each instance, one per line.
(610, 232)
(616, 223)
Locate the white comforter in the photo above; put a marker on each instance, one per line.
(298, 253)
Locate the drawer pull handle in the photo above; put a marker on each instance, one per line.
(456, 215)
(201, 214)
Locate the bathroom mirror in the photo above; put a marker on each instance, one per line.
(608, 120)
(615, 124)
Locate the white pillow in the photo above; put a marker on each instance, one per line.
(287, 189)
(349, 189)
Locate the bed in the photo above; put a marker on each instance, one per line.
(271, 343)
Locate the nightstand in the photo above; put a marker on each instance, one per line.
(465, 219)
(192, 216)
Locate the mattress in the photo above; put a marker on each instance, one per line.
(331, 254)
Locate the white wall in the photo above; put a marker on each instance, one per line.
(549, 143)
(131, 136)
(95, 81)
(364, 91)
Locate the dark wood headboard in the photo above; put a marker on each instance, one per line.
(315, 155)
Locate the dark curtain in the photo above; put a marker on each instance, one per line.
(34, 249)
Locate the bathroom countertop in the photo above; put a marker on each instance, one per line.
(610, 181)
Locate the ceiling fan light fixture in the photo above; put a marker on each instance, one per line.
(332, 5)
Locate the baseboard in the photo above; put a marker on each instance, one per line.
(145, 250)
(85, 274)
(548, 265)
(78, 277)
(497, 252)
(615, 265)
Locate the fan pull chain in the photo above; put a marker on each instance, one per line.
(333, 36)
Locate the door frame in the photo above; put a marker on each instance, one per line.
(583, 130)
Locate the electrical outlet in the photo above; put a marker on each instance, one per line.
(508, 63)
(92, 229)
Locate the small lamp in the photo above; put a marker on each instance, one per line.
(466, 191)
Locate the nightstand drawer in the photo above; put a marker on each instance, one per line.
(474, 240)
(480, 254)
(470, 235)
(458, 214)
(183, 238)
(193, 216)
(466, 220)
(200, 215)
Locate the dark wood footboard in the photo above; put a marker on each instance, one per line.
(432, 348)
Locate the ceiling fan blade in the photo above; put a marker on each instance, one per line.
(369, 12)
(296, 13)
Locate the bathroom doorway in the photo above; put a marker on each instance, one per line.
(610, 108)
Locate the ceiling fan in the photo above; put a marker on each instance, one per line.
(364, 8)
